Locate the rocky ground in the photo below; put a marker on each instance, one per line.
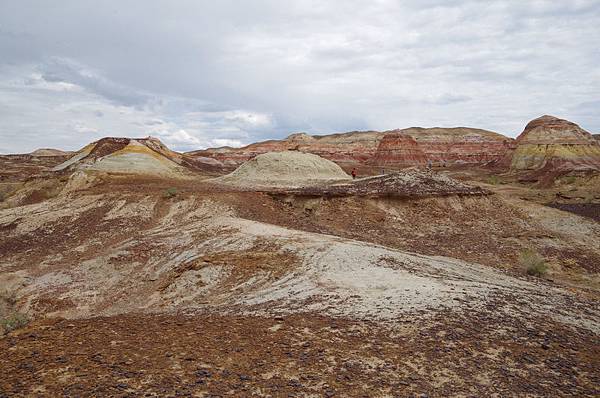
(410, 183)
(145, 286)
(468, 354)
(17, 168)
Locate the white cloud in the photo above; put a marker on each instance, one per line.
(81, 128)
(219, 142)
(249, 120)
(177, 138)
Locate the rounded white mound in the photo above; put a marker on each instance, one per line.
(289, 168)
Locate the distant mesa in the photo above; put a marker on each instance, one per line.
(285, 169)
(300, 137)
(49, 152)
(548, 145)
(552, 144)
(395, 148)
(128, 155)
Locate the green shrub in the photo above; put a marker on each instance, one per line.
(170, 193)
(13, 321)
(533, 263)
(570, 179)
(493, 180)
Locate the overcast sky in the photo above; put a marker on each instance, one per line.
(211, 73)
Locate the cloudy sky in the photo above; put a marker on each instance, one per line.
(210, 73)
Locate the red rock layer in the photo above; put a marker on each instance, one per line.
(398, 150)
(460, 145)
(346, 148)
(448, 145)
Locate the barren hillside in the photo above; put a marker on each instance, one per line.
(407, 283)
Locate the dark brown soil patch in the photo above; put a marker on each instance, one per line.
(589, 210)
(108, 145)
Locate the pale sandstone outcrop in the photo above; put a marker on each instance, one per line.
(288, 168)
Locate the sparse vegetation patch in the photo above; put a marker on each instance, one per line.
(493, 180)
(170, 193)
(10, 319)
(13, 321)
(533, 263)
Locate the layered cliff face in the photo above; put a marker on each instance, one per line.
(550, 143)
(460, 145)
(356, 147)
(347, 148)
(395, 148)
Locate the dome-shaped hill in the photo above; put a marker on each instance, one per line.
(552, 130)
(127, 155)
(554, 144)
(49, 152)
(289, 168)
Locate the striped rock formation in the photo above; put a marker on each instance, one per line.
(398, 150)
(394, 148)
(460, 145)
(553, 144)
(129, 155)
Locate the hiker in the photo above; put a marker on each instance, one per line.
(382, 172)
(353, 173)
(429, 164)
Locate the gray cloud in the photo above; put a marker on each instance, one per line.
(197, 71)
(68, 71)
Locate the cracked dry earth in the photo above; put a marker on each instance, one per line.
(133, 294)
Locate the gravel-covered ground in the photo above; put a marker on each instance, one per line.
(469, 354)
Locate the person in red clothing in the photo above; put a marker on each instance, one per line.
(353, 173)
